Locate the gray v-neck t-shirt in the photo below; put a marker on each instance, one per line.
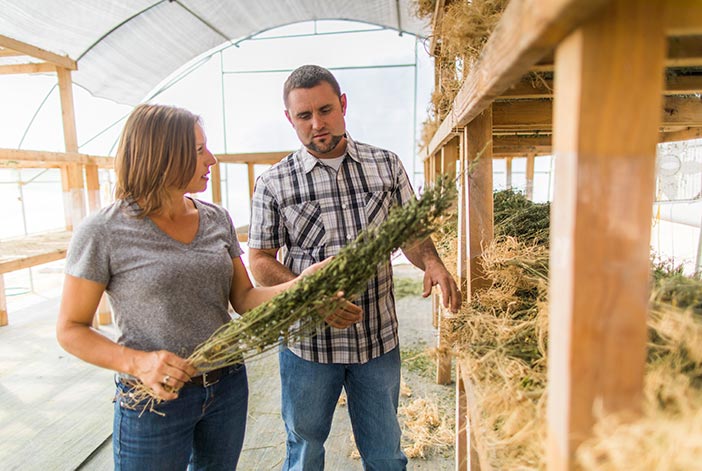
(165, 294)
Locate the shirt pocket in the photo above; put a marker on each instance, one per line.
(377, 207)
(304, 224)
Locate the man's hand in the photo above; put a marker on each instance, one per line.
(346, 315)
(436, 274)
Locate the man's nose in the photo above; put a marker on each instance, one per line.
(317, 121)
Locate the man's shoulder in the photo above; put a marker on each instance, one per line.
(286, 166)
(368, 151)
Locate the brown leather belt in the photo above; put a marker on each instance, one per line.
(213, 377)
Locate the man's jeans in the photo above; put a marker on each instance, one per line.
(310, 392)
(204, 427)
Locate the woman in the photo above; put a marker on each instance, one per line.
(170, 264)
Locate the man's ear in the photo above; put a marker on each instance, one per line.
(287, 115)
(343, 103)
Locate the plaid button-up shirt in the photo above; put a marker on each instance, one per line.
(311, 211)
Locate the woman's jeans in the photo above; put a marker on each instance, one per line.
(204, 428)
(310, 392)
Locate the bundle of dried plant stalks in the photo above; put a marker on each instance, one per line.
(302, 308)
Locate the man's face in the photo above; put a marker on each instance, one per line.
(317, 115)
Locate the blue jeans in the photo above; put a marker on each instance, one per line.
(203, 428)
(310, 392)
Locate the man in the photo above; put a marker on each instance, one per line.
(311, 204)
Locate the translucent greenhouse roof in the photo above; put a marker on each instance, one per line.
(125, 48)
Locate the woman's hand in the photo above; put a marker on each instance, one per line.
(162, 371)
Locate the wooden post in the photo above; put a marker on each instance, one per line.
(607, 109)
(3, 302)
(216, 184)
(92, 180)
(71, 174)
(480, 206)
(449, 156)
(508, 173)
(252, 179)
(530, 176)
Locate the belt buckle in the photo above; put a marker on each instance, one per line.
(206, 382)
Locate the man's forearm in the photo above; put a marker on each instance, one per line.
(420, 254)
(267, 270)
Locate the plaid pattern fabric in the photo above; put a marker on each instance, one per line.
(310, 211)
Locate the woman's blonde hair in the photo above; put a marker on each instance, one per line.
(156, 153)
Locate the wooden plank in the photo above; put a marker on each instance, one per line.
(449, 156)
(599, 274)
(531, 87)
(92, 183)
(530, 177)
(74, 199)
(536, 115)
(251, 178)
(216, 183)
(527, 30)
(29, 68)
(16, 157)
(259, 158)
(3, 302)
(684, 17)
(29, 50)
(508, 173)
(29, 251)
(479, 190)
(516, 145)
(682, 135)
(478, 453)
(462, 430)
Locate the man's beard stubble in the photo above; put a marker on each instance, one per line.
(327, 148)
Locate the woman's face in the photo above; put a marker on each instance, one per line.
(205, 159)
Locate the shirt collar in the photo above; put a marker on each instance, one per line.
(309, 161)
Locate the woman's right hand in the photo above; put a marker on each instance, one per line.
(162, 371)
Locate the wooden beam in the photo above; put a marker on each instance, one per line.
(449, 156)
(516, 145)
(72, 174)
(216, 183)
(33, 51)
(16, 158)
(530, 177)
(29, 68)
(479, 193)
(684, 17)
(608, 100)
(531, 87)
(527, 30)
(4, 52)
(536, 115)
(508, 173)
(258, 158)
(3, 302)
(435, 22)
(682, 135)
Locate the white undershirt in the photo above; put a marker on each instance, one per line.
(334, 163)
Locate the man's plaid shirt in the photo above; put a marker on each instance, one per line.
(311, 211)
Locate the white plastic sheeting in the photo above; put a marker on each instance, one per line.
(125, 48)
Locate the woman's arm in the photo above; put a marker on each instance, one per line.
(79, 302)
(244, 296)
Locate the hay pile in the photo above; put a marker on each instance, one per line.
(461, 32)
(668, 436)
(502, 335)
